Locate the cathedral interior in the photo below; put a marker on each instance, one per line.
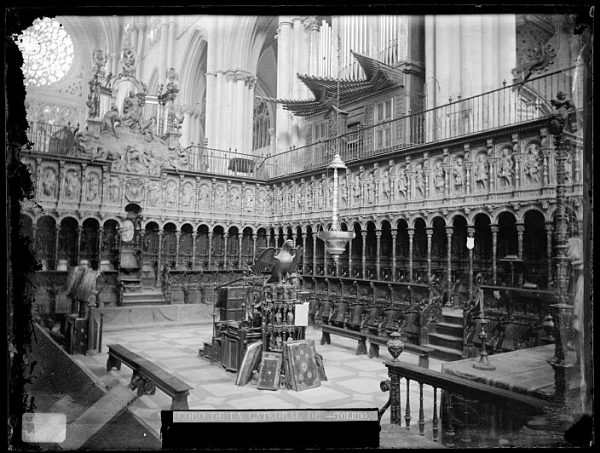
(429, 176)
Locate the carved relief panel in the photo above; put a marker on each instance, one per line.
(481, 171)
(71, 183)
(204, 195)
(134, 190)
(93, 187)
(249, 199)
(170, 193)
(220, 196)
(437, 178)
(401, 182)
(114, 189)
(49, 181)
(153, 198)
(506, 167)
(188, 198)
(458, 174)
(531, 164)
(234, 202)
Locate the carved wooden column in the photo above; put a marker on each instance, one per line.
(177, 238)
(78, 244)
(194, 236)
(470, 234)
(520, 231)
(494, 228)
(411, 236)
(429, 232)
(364, 253)
(449, 231)
(210, 250)
(56, 245)
(378, 254)
(549, 229)
(159, 258)
(225, 236)
(314, 254)
(240, 238)
(394, 237)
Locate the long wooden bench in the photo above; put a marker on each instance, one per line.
(374, 342)
(147, 376)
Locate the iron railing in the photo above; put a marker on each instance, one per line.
(502, 107)
(506, 106)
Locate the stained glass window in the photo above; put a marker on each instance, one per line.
(47, 52)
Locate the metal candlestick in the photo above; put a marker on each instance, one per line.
(484, 362)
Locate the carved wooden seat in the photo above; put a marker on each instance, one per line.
(147, 376)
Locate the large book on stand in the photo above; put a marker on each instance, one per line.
(250, 363)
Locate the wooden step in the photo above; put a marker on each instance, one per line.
(144, 298)
(443, 353)
(448, 328)
(447, 341)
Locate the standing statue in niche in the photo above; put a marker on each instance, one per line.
(481, 171)
(569, 168)
(320, 196)
(132, 110)
(300, 197)
(153, 193)
(171, 193)
(72, 184)
(401, 182)
(329, 182)
(343, 191)
(386, 185)
(49, 183)
(114, 190)
(309, 196)
(261, 200)
(234, 197)
(110, 121)
(531, 164)
(419, 180)
(204, 195)
(438, 177)
(220, 197)
(187, 195)
(459, 173)
(356, 190)
(249, 200)
(371, 189)
(93, 183)
(507, 165)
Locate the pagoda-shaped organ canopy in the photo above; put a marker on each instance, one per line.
(379, 76)
(138, 132)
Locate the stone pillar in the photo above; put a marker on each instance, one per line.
(177, 238)
(194, 236)
(449, 231)
(304, 253)
(254, 247)
(364, 253)
(549, 229)
(429, 231)
(284, 53)
(494, 228)
(210, 250)
(225, 237)
(470, 233)
(100, 235)
(350, 257)
(159, 257)
(411, 236)
(394, 237)
(172, 39)
(240, 88)
(520, 231)
(378, 253)
(164, 50)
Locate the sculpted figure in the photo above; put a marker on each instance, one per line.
(186, 196)
(132, 110)
(110, 120)
(530, 166)
(569, 168)
(171, 193)
(386, 185)
(153, 194)
(401, 178)
(344, 191)
(93, 183)
(249, 200)
(149, 128)
(419, 180)
(320, 196)
(204, 195)
(371, 189)
(481, 171)
(506, 167)
(220, 197)
(458, 172)
(300, 197)
(49, 183)
(438, 177)
(114, 190)
(72, 184)
(356, 190)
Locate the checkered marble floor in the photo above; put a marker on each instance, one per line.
(353, 381)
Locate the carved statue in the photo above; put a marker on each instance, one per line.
(569, 167)
(343, 191)
(49, 183)
(153, 193)
(93, 183)
(356, 189)
(531, 163)
(110, 121)
(234, 197)
(438, 177)
(171, 193)
(300, 196)
(401, 181)
(132, 110)
(133, 161)
(249, 200)
(386, 185)
(481, 171)
(71, 184)
(458, 172)
(506, 167)
(320, 195)
(371, 189)
(329, 183)
(220, 197)
(149, 128)
(187, 195)
(261, 200)
(563, 105)
(419, 180)
(114, 189)
(204, 195)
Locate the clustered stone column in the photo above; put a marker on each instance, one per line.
(429, 232)
(364, 253)
(494, 228)
(378, 253)
(210, 249)
(394, 238)
(411, 236)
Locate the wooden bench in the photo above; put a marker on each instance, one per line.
(374, 342)
(147, 376)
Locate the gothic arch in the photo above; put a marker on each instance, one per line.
(193, 72)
